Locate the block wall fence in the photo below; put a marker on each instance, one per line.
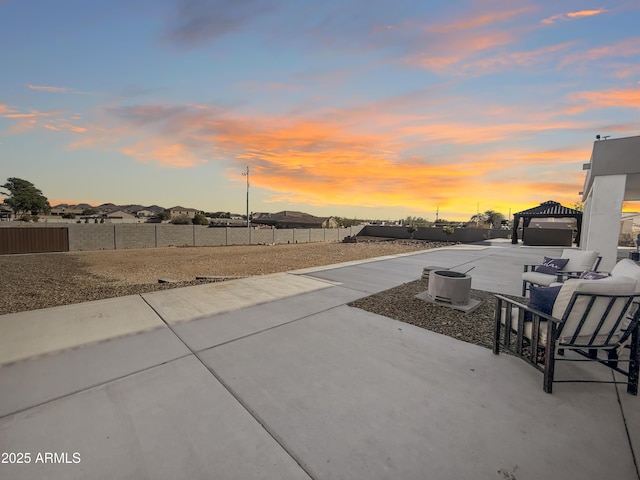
(463, 235)
(121, 236)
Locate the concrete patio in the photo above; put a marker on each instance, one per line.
(275, 377)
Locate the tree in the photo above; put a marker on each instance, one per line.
(345, 222)
(218, 214)
(181, 220)
(490, 217)
(200, 219)
(494, 218)
(417, 222)
(24, 197)
(578, 206)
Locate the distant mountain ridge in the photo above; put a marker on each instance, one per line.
(111, 207)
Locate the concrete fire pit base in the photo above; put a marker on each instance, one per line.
(467, 308)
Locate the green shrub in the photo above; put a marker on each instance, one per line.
(181, 220)
(200, 219)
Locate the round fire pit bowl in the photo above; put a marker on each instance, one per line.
(450, 287)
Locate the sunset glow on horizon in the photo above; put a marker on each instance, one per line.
(372, 109)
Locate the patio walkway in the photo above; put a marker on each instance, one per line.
(274, 377)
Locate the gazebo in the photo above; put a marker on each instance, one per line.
(547, 209)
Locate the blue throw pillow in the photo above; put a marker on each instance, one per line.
(552, 265)
(542, 299)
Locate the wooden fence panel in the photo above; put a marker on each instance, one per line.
(33, 240)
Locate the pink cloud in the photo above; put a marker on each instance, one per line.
(456, 51)
(625, 48)
(479, 20)
(46, 88)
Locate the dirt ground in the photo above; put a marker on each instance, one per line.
(29, 282)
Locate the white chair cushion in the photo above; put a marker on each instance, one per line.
(607, 286)
(539, 278)
(627, 268)
(579, 260)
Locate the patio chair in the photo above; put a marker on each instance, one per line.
(578, 261)
(594, 318)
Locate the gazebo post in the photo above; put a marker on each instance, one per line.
(579, 229)
(514, 230)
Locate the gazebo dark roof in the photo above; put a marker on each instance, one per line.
(547, 209)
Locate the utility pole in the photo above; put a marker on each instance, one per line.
(248, 221)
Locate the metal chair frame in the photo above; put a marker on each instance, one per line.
(590, 349)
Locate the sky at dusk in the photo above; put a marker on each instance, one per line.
(356, 108)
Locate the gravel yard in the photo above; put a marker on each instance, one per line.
(400, 303)
(34, 281)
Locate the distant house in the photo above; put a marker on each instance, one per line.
(59, 211)
(177, 211)
(292, 219)
(630, 223)
(5, 214)
(144, 213)
(227, 222)
(629, 228)
(120, 215)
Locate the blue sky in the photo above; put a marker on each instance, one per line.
(368, 109)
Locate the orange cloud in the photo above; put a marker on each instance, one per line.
(33, 114)
(372, 155)
(165, 153)
(625, 98)
(368, 175)
(53, 120)
(474, 133)
(572, 15)
(585, 13)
